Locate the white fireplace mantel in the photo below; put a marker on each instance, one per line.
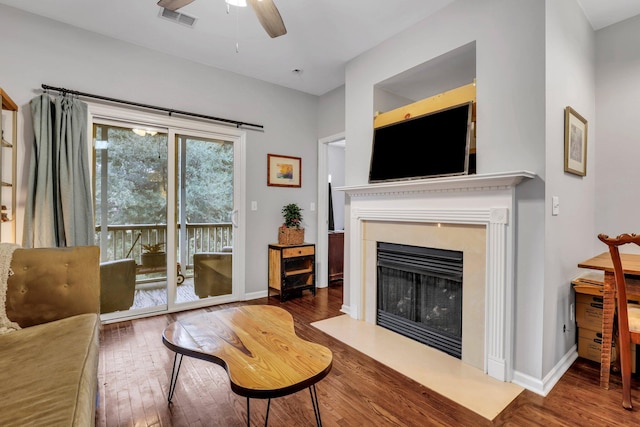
(483, 199)
(479, 182)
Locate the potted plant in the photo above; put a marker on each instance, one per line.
(153, 255)
(291, 231)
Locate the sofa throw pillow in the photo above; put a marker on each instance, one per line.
(6, 254)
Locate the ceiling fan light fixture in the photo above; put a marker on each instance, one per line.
(238, 3)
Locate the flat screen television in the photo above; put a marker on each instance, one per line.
(432, 145)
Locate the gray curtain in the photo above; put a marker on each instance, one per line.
(59, 207)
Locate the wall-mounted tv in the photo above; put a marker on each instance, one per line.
(432, 145)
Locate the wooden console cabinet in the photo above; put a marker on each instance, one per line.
(336, 255)
(292, 269)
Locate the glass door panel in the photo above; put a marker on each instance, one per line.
(131, 211)
(205, 206)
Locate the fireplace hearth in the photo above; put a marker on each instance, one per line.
(420, 294)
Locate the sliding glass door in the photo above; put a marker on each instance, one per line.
(205, 211)
(131, 188)
(166, 216)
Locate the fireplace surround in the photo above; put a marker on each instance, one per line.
(485, 201)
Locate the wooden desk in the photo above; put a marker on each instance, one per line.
(258, 347)
(631, 266)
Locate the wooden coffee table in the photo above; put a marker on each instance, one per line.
(257, 346)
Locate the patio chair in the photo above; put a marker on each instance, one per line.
(117, 285)
(212, 273)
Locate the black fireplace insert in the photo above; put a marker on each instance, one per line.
(419, 294)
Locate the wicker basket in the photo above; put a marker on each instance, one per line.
(290, 236)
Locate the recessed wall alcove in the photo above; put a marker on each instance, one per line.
(445, 72)
(430, 108)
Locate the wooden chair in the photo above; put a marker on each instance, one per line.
(628, 314)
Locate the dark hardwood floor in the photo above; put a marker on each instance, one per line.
(135, 368)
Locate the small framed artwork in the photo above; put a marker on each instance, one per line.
(575, 142)
(284, 171)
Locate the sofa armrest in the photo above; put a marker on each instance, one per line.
(53, 283)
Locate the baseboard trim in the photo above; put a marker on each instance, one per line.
(345, 309)
(544, 386)
(256, 295)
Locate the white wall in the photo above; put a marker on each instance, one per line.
(331, 113)
(618, 114)
(40, 50)
(510, 62)
(533, 59)
(570, 81)
(510, 65)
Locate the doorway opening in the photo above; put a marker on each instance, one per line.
(331, 210)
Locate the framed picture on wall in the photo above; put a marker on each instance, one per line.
(284, 171)
(575, 142)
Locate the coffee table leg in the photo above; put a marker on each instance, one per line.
(314, 402)
(248, 413)
(174, 376)
(316, 406)
(266, 419)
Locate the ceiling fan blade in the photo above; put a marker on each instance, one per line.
(173, 4)
(269, 17)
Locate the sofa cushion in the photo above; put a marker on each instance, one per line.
(53, 283)
(48, 373)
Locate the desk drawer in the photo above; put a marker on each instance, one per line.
(298, 251)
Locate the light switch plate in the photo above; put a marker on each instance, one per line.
(555, 205)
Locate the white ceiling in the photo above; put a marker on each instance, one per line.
(602, 13)
(323, 35)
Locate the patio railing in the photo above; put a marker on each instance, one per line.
(125, 241)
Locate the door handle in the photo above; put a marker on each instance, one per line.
(234, 218)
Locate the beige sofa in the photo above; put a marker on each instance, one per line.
(48, 369)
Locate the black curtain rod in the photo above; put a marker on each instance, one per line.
(152, 107)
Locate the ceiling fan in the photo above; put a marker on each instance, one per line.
(265, 10)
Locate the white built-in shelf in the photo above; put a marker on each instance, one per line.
(8, 158)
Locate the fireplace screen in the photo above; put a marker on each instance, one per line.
(420, 294)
